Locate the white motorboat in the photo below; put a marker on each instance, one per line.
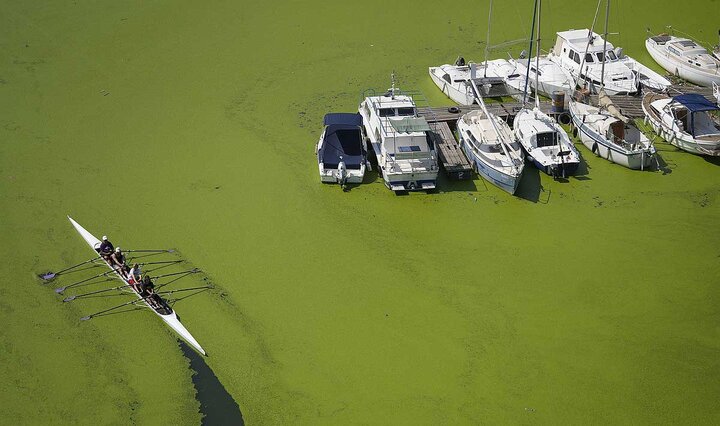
(161, 307)
(551, 79)
(406, 156)
(610, 135)
(690, 121)
(342, 151)
(583, 52)
(460, 80)
(684, 58)
(491, 148)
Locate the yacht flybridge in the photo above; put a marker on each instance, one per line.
(405, 154)
(583, 52)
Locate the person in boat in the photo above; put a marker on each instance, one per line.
(117, 261)
(147, 292)
(106, 248)
(134, 277)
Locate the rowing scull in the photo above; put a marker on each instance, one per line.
(168, 314)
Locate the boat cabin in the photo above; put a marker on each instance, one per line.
(691, 114)
(687, 51)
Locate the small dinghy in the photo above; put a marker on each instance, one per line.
(689, 122)
(341, 150)
(685, 58)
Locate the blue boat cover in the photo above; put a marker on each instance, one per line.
(343, 137)
(695, 103)
(350, 119)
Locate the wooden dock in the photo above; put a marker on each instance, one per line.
(450, 154)
(506, 110)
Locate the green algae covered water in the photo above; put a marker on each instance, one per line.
(192, 126)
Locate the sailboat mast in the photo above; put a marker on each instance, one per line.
(602, 70)
(487, 39)
(527, 71)
(537, 55)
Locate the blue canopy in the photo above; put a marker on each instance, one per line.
(343, 138)
(345, 118)
(695, 103)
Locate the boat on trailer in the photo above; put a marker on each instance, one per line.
(342, 151)
(684, 58)
(163, 310)
(690, 122)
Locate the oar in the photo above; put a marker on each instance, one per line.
(71, 298)
(183, 289)
(50, 275)
(61, 289)
(85, 318)
(182, 274)
(151, 251)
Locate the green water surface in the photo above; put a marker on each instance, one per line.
(192, 125)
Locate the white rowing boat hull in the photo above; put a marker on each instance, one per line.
(170, 319)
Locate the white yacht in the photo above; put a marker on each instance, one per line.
(547, 144)
(610, 135)
(584, 49)
(685, 58)
(342, 151)
(491, 148)
(405, 154)
(685, 121)
(460, 80)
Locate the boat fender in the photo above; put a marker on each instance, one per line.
(454, 109)
(564, 119)
(595, 148)
(575, 132)
(530, 158)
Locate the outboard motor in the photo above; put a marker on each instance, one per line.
(460, 61)
(342, 173)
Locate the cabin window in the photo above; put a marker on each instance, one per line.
(611, 55)
(546, 139)
(673, 51)
(387, 112)
(600, 56)
(576, 57)
(533, 69)
(570, 54)
(589, 58)
(413, 148)
(404, 112)
(446, 77)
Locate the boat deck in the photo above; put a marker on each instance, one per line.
(450, 155)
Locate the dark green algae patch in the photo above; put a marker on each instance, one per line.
(589, 300)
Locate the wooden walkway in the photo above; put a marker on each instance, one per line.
(450, 154)
(506, 110)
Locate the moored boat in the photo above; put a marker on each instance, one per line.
(398, 136)
(684, 58)
(685, 121)
(491, 148)
(341, 151)
(610, 135)
(583, 53)
(163, 310)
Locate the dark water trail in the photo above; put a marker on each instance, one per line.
(216, 404)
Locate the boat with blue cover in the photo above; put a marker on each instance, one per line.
(342, 149)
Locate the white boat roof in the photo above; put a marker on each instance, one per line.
(578, 39)
(397, 101)
(687, 47)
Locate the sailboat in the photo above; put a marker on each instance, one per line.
(604, 130)
(547, 144)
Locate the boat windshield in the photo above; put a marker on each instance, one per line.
(406, 112)
(387, 112)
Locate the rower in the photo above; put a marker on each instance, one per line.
(118, 261)
(147, 292)
(134, 276)
(106, 248)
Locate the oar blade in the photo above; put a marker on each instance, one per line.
(69, 298)
(59, 290)
(48, 276)
(86, 318)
